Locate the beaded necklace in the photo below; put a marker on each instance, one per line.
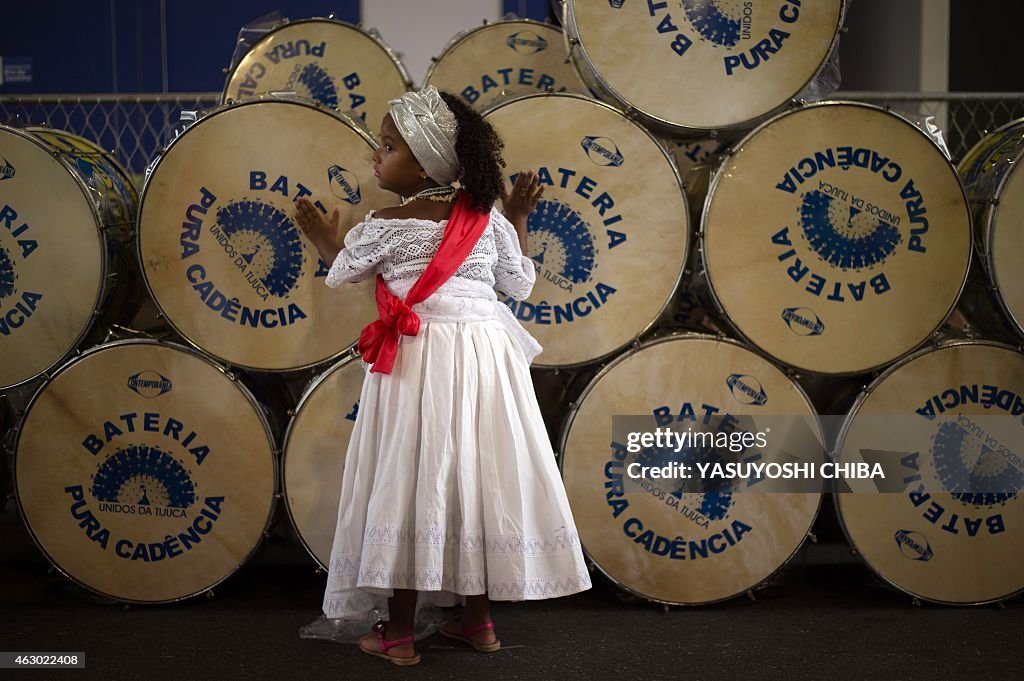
(443, 194)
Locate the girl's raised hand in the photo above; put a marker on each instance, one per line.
(523, 198)
(314, 225)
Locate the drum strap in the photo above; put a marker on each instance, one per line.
(378, 342)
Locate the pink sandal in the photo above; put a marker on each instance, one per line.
(386, 645)
(465, 634)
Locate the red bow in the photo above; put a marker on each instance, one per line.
(378, 342)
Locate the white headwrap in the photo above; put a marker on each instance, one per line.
(428, 126)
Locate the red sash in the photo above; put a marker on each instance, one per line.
(378, 342)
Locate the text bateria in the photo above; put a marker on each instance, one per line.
(144, 473)
(314, 454)
(701, 64)
(851, 226)
(506, 58)
(951, 531)
(330, 62)
(219, 246)
(653, 536)
(610, 236)
(65, 211)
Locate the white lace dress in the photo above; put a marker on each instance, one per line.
(450, 484)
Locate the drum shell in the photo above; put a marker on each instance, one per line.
(390, 68)
(252, 503)
(804, 508)
(987, 171)
(113, 203)
(666, 28)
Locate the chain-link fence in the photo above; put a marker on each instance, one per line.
(137, 127)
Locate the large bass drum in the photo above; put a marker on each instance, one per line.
(610, 236)
(313, 459)
(329, 62)
(220, 251)
(67, 213)
(836, 238)
(664, 539)
(995, 186)
(144, 472)
(704, 65)
(508, 58)
(945, 424)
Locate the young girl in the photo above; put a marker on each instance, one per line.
(450, 486)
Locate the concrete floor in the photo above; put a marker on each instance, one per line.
(825, 617)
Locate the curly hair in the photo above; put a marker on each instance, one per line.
(478, 147)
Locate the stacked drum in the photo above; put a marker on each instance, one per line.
(708, 252)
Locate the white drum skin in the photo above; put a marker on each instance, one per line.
(948, 528)
(219, 247)
(505, 59)
(154, 492)
(658, 540)
(853, 228)
(65, 230)
(610, 236)
(995, 186)
(329, 62)
(698, 65)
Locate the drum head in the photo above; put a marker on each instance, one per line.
(144, 473)
(852, 226)
(52, 258)
(610, 236)
(707, 64)
(949, 421)
(659, 540)
(314, 454)
(329, 62)
(220, 251)
(507, 58)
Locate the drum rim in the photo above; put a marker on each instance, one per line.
(378, 41)
(314, 384)
(463, 36)
(575, 42)
(103, 287)
(223, 108)
(688, 231)
(246, 394)
(844, 432)
(605, 369)
(719, 172)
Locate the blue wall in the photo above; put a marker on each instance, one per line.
(115, 45)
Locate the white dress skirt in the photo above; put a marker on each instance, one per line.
(450, 485)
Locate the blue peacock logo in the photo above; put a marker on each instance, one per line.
(715, 499)
(964, 464)
(7, 274)
(318, 84)
(845, 236)
(562, 240)
(717, 21)
(144, 475)
(267, 240)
